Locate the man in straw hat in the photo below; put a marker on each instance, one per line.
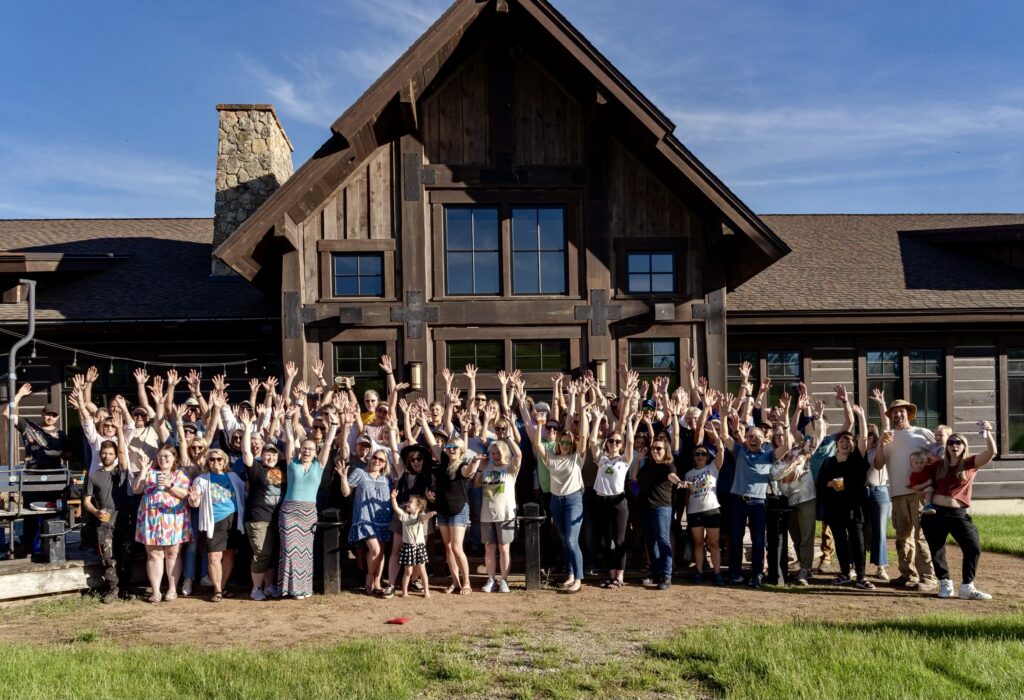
(897, 445)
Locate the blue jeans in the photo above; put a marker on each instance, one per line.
(567, 512)
(879, 506)
(659, 544)
(750, 512)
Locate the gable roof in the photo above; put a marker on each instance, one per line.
(848, 263)
(94, 269)
(354, 137)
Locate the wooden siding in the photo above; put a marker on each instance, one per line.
(640, 205)
(548, 121)
(824, 375)
(456, 117)
(974, 393)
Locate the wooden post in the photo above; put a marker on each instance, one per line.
(531, 520)
(328, 530)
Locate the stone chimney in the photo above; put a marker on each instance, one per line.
(254, 157)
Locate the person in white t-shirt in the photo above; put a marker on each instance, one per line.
(893, 453)
(498, 510)
(703, 514)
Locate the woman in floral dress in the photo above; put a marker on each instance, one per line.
(163, 522)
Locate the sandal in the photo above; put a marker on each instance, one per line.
(452, 588)
(155, 598)
(170, 595)
(217, 597)
(465, 590)
(608, 583)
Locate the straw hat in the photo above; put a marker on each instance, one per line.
(900, 403)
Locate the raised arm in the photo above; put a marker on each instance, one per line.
(247, 455)
(844, 400)
(990, 446)
(388, 366)
(531, 432)
(141, 377)
(332, 433)
(862, 430)
(878, 396)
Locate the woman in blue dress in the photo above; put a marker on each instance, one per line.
(371, 512)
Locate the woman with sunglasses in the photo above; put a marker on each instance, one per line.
(613, 457)
(413, 477)
(703, 513)
(954, 480)
(371, 513)
(162, 523)
(262, 509)
(564, 462)
(452, 472)
(298, 510)
(657, 478)
(219, 494)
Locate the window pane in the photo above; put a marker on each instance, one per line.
(924, 393)
(345, 264)
(371, 286)
(556, 356)
(460, 273)
(883, 363)
(346, 287)
(552, 273)
(552, 228)
(486, 355)
(662, 262)
(662, 283)
(524, 273)
(639, 283)
(485, 229)
(524, 229)
(638, 262)
(925, 362)
(784, 370)
(459, 228)
(488, 276)
(370, 264)
(1015, 361)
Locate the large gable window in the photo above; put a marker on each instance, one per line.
(472, 250)
(538, 250)
(358, 274)
(651, 272)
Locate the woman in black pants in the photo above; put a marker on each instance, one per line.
(613, 459)
(954, 479)
(841, 491)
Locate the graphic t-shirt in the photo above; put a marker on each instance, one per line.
(611, 475)
(704, 492)
(412, 528)
(499, 489)
(222, 495)
(266, 487)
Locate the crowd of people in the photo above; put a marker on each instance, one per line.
(688, 472)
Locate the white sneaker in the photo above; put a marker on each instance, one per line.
(489, 586)
(186, 587)
(206, 581)
(272, 592)
(969, 592)
(503, 586)
(258, 594)
(300, 596)
(946, 589)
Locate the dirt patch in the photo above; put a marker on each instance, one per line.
(586, 623)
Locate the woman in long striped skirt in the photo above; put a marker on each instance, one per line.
(298, 511)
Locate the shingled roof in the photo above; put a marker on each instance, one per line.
(851, 263)
(160, 271)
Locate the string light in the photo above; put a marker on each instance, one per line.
(131, 361)
(247, 369)
(111, 371)
(33, 350)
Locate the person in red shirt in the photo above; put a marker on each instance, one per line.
(954, 476)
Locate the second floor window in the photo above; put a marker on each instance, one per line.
(358, 274)
(472, 250)
(650, 272)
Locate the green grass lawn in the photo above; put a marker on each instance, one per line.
(930, 657)
(999, 533)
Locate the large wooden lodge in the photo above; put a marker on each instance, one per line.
(503, 196)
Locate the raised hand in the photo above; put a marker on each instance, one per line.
(290, 370)
(702, 385)
(446, 375)
(503, 377)
(745, 369)
(254, 385)
(402, 386)
(141, 376)
(318, 369)
(840, 392)
(878, 396)
(341, 467)
(172, 378)
(193, 380)
(271, 384)
(218, 382)
(92, 374)
(386, 364)
(470, 371)
(784, 401)
(766, 384)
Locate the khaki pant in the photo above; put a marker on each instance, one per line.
(801, 530)
(915, 559)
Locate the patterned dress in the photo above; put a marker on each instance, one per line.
(163, 519)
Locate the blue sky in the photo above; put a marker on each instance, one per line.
(108, 107)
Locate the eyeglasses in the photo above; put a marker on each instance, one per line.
(215, 459)
(565, 442)
(954, 442)
(377, 459)
(614, 440)
(700, 454)
(657, 448)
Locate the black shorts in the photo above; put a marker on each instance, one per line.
(225, 535)
(707, 518)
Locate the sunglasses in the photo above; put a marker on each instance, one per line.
(700, 454)
(565, 442)
(614, 440)
(451, 446)
(954, 442)
(317, 427)
(657, 448)
(216, 459)
(188, 431)
(415, 458)
(377, 459)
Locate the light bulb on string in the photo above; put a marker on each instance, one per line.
(33, 349)
(111, 370)
(74, 361)
(247, 369)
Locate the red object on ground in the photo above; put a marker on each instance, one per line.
(397, 621)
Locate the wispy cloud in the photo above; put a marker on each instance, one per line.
(405, 18)
(79, 180)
